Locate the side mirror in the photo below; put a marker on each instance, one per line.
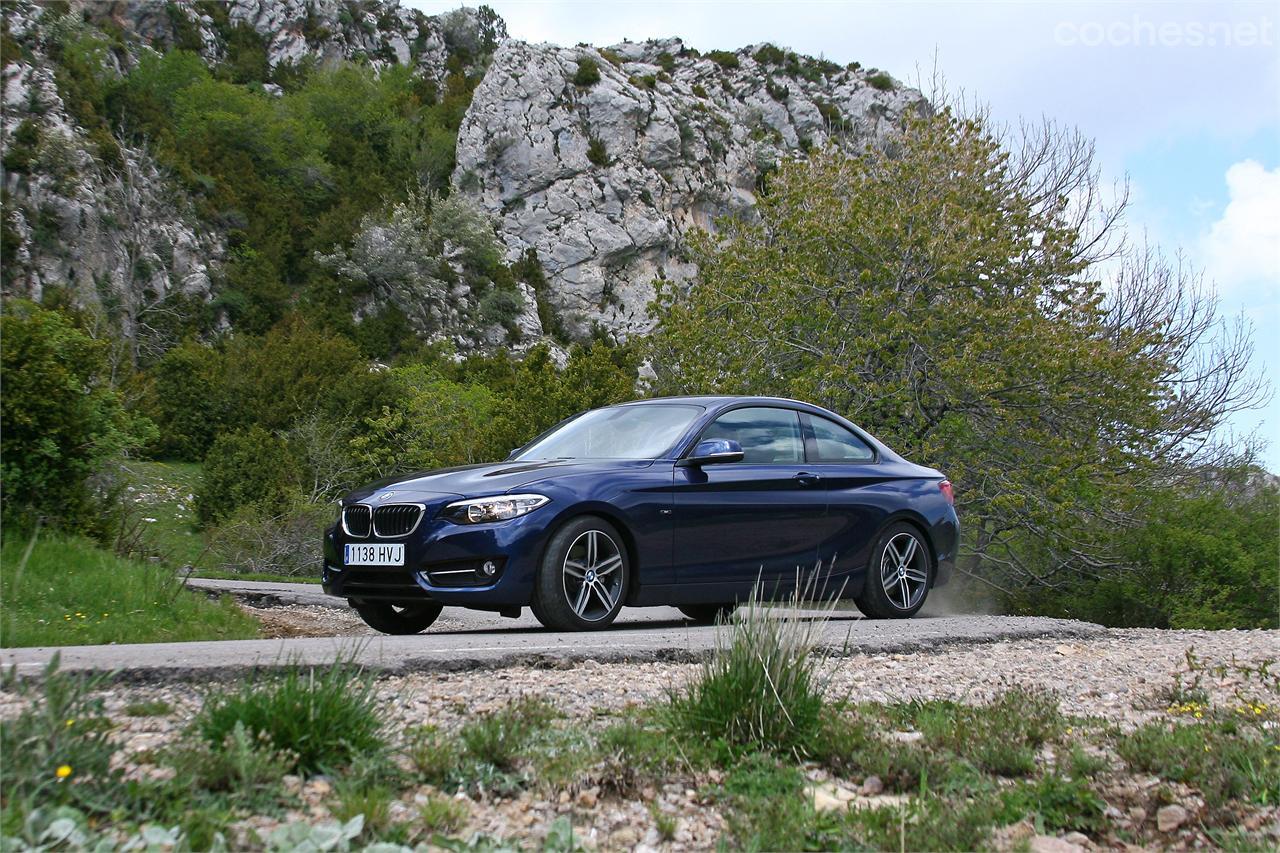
(713, 451)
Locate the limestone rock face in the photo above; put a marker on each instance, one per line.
(603, 180)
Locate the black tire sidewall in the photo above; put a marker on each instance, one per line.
(874, 602)
(549, 603)
(417, 618)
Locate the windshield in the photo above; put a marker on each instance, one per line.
(622, 432)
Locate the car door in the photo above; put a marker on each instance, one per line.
(850, 475)
(758, 518)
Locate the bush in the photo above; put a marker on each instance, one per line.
(769, 54)
(255, 541)
(59, 748)
(724, 58)
(762, 688)
(61, 420)
(588, 73)
(321, 718)
(596, 152)
(189, 400)
(881, 81)
(243, 468)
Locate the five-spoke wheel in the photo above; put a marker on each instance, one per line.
(899, 574)
(582, 580)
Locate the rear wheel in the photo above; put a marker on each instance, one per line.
(707, 614)
(898, 575)
(398, 618)
(583, 577)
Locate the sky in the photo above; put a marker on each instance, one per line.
(1182, 99)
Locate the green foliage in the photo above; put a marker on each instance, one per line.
(249, 467)
(24, 144)
(246, 764)
(666, 62)
(64, 739)
(498, 738)
(1204, 560)
(769, 54)
(881, 81)
(61, 420)
(71, 592)
(924, 294)
(597, 153)
(588, 73)
(724, 58)
(762, 689)
(698, 90)
(321, 718)
(188, 399)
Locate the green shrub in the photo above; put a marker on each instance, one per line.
(501, 306)
(666, 62)
(189, 399)
(243, 468)
(588, 73)
(58, 748)
(881, 81)
(596, 152)
(60, 419)
(611, 56)
(698, 90)
(723, 58)
(769, 54)
(762, 688)
(499, 738)
(245, 764)
(322, 718)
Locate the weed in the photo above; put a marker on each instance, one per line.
(763, 687)
(597, 153)
(1057, 802)
(664, 822)
(433, 754)
(443, 814)
(324, 718)
(371, 802)
(498, 738)
(148, 708)
(588, 73)
(244, 764)
(768, 809)
(881, 81)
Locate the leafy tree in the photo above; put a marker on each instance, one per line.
(60, 419)
(189, 399)
(250, 467)
(940, 292)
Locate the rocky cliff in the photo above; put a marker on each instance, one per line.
(596, 162)
(602, 178)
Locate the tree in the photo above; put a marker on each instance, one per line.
(60, 418)
(944, 292)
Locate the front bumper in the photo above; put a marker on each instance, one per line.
(444, 562)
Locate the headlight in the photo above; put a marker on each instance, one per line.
(496, 508)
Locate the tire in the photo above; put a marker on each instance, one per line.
(399, 618)
(898, 575)
(707, 614)
(582, 580)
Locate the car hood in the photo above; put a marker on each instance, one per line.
(468, 481)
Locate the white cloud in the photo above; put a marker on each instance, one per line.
(1242, 249)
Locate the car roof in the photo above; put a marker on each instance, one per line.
(717, 400)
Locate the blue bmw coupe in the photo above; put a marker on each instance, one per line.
(684, 501)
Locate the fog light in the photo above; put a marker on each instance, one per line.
(489, 568)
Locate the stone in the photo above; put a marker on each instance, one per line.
(871, 786)
(626, 836)
(1049, 844)
(1170, 817)
(588, 797)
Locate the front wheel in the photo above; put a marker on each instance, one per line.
(398, 618)
(898, 575)
(583, 576)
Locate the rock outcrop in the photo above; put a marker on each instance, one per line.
(603, 177)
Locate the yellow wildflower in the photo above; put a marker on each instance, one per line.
(64, 771)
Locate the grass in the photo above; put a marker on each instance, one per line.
(323, 718)
(148, 708)
(69, 591)
(164, 492)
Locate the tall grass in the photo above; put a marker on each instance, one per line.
(763, 686)
(68, 591)
(321, 718)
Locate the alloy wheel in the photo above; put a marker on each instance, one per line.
(592, 575)
(904, 571)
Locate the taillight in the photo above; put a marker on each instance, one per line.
(947, 492)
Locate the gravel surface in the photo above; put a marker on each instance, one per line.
(1118, 675)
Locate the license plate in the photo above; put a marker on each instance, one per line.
(374, 555)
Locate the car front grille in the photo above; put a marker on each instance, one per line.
(356, 520)
(396, 520)
(391, 521)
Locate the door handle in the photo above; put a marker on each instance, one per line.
(804, 478)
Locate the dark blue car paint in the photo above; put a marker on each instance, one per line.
(695, 534)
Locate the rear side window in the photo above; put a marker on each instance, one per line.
(834, 443)
(768, 436)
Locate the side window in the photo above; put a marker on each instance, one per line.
(767, 436)
(837, 444)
